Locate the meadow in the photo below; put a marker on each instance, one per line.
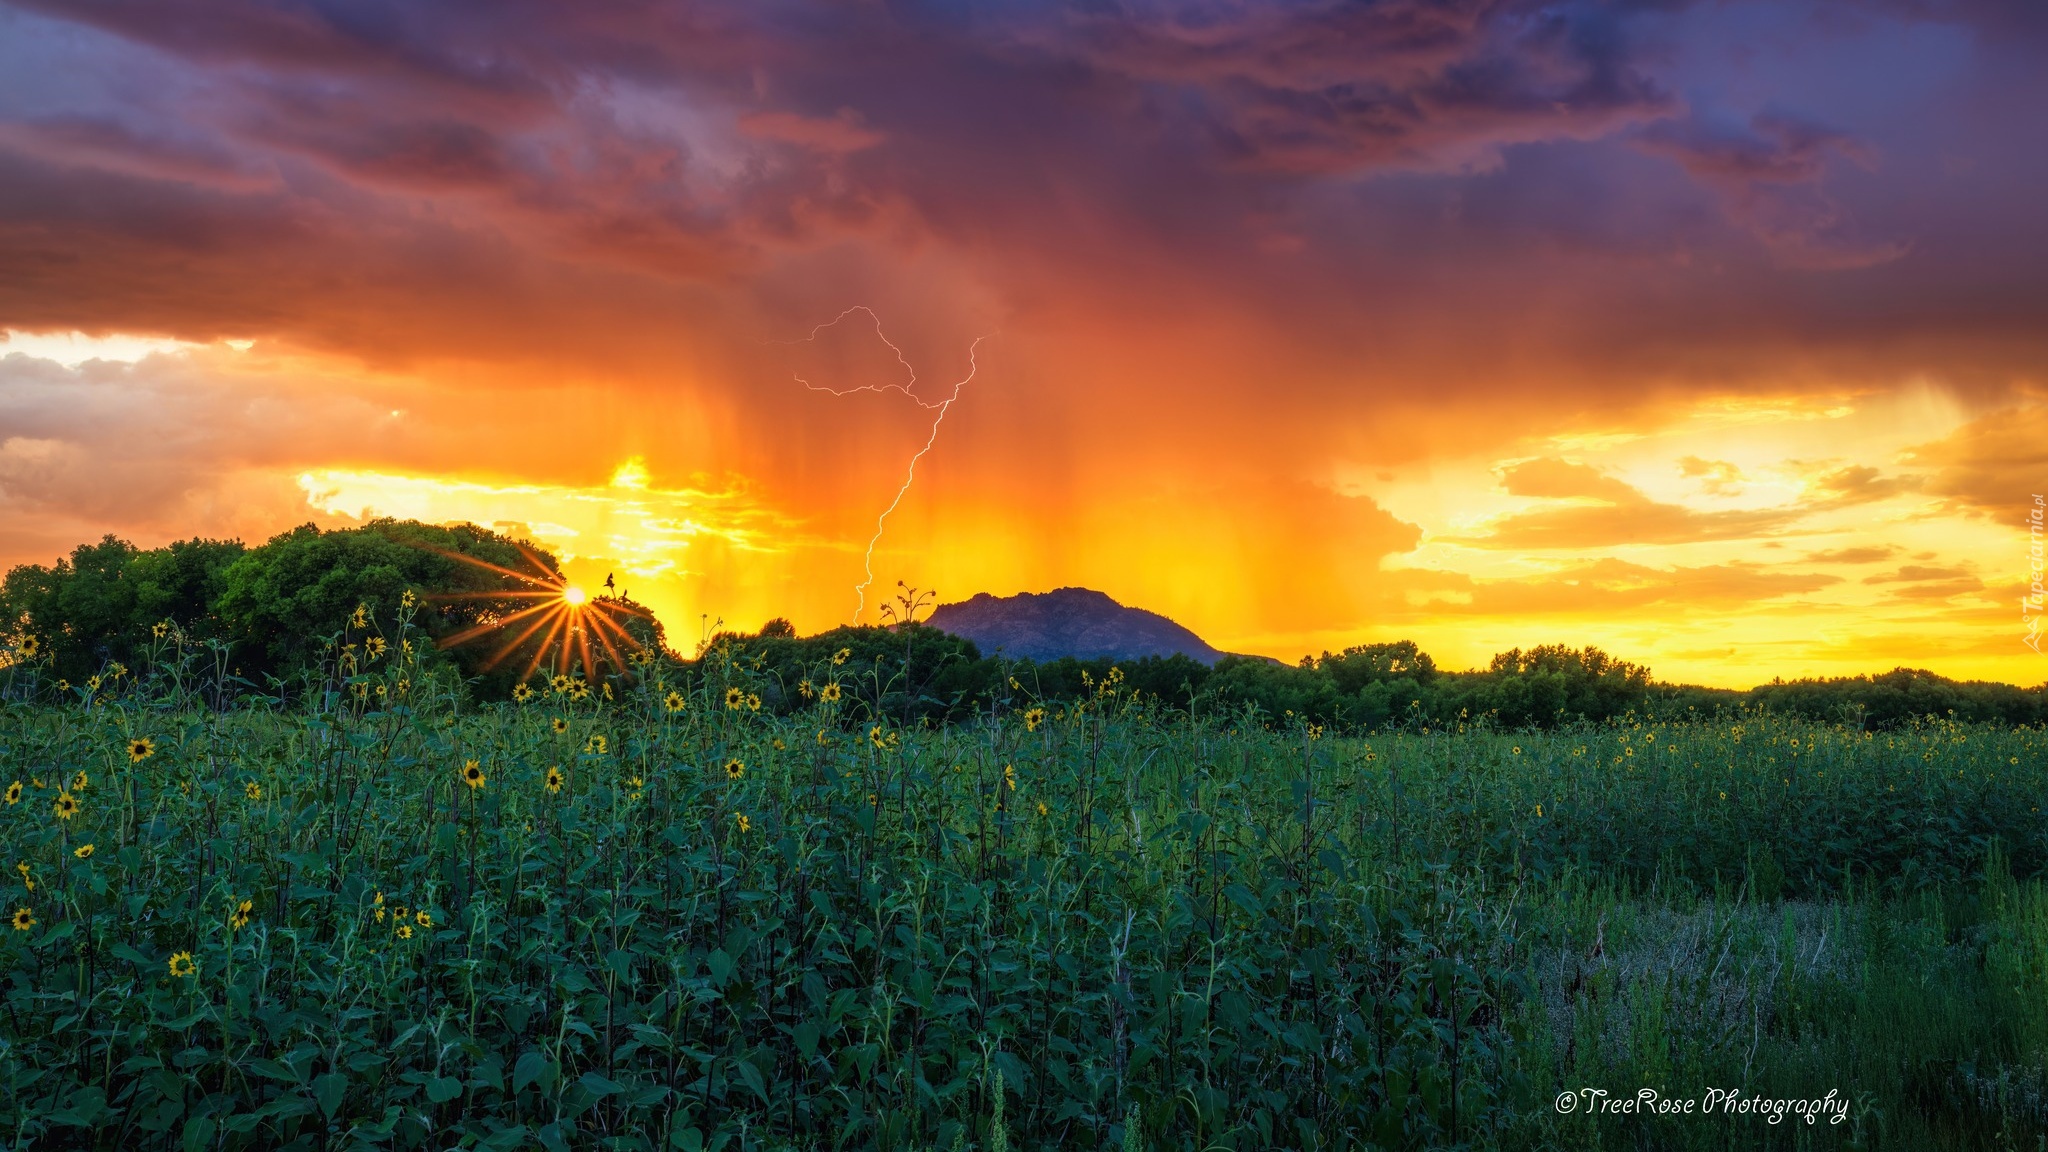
(647, 912)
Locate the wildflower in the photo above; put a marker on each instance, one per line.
(239, 919)
(404, 685)
(423, 918)
(407, 599)
(596, 746)
(1041, 808)
(83, 851)
(472, 774)
(734, 699)
(635, 784)
(734, 769)
(160, 629)
(674, 702)
(27, 880)
(1010, 776)
(404, 931)
(14, 794)
(92, 684)
(560, 683)
(117, 669)
(29, 646)
(806, 689)
(382, 691)
(823, 740)
(560, 725)
(1033, 718)
(377, 907)
(554, 779)
(875, 737)
(745, 824)
(753, 702)
(777, 744)
(1517, 750)
(829, 693)
(361, 618)
(375, 646)
(522, 693)
(607, 689)
(1539, 809)
(579, 691)
(24, 919)
(182, 965)
(65, 807)
(840, 656)
(1371, 756)
(253, 790)
(63, 685)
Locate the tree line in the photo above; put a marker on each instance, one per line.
(273, 613)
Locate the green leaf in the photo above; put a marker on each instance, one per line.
(530, 1068)
(443, 1089)
(328, 1090)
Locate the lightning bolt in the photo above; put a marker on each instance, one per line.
(939, 409)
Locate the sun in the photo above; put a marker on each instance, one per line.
(574, 596)
(561, 626)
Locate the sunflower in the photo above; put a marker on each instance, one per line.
(65, 807)
(596, 746)
(522, 693)
(555, 780)
(734, 769)
(745, 824)
(1041, 808)
(24, 919)
(560, 683)
(423, 918)
(635, 784)
(579, 691)
(407, 598)
(560, 725)
(80, 782)
(83, 851)
(778, 745)
(1033, 718)
(92, 684)
(734, 699)
(875, 737)
(806, 689)
(1010, 776)
(374, 647)
(840, 656)
(361, 617)
(253, 790)
(182, 965)
(30, 646)
(378, 908)
(239, 918)
(404, 931)
(823, 739)
(674, 702)
(753, 702)
(27, 880)
(160, 629)
(829, 693)
(472, 774)
(14, 794)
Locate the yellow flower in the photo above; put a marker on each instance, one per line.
(554, 779)
(829, 693)
(361, 617)
(1517, 749)
(734, 769)
(253, 790)
(753, 702)
(182, 965)
(1041, 808)
(472, 774)
(734, 699)
(239, 918)
(823, 739)
(746, 825)
(634, 783)
(375, 646)
(806, 689)
(80, 782)
(596, 746)
(14, 794)
(1010, 776)
(778, 745)
(560, 725)
(93, 683)
(30, 646)
(840, 656)
(423, 919)
(65, 807)
(522, 693)
(407, 599)
(875, 737)
(1539, 809)
(1033, 718)
(579, 691)
(26, 879)
(674, 702)
(117, 669)
(83, 851)
(404, 931)
(560, 683)
(24, 919)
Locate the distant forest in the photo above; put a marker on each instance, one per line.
(269, 618)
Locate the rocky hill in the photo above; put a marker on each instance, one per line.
(1076, 622)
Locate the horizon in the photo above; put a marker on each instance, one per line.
(1709, 335)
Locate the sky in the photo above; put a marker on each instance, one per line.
(1708, 333)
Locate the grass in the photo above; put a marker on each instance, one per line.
(1113, 927)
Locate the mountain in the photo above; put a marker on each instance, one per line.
(1077, 622)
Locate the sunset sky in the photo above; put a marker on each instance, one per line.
(1715, 334)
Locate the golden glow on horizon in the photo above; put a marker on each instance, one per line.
(574, 596)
